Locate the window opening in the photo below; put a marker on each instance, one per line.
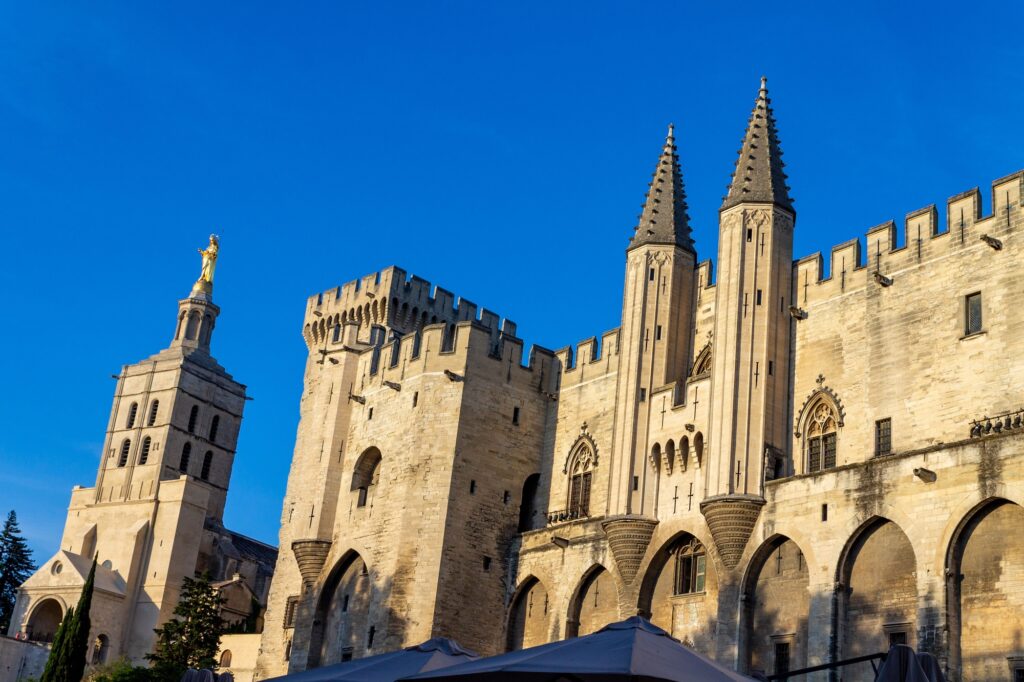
(207, 463)
(515, 415)
(152, 413)
(781, 658)
(973, 312)
(192, 418)
(186, 454)
(214, 425)
(821, 438)
(691, 568)
(132, 411)
(126, 445)
(144, 455)
(883, 437)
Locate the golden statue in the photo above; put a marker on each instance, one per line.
(209, 255)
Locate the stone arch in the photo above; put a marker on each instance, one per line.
(44, 620)
(775, 608)
(341, 613)
(679, 591)
(192, 326)
(655, 457)
(702, 363)
(100, 649)
(684, 453)
(528, 615)
(579, 470)
(985, 590)
(698, 449)
(818, 428)
(366, 474)
(670, 455)
(594, 603)
(528, 502)
(877, 593)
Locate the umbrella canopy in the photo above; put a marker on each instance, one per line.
(633, 650)
(930, 666)
(430, 655)
(901, 665)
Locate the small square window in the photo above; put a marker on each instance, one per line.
(883, 437)
(487, 563)
(897, 638)
(972, 309)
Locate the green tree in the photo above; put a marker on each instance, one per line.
(71, 643)
(192, 638)
(15, 567)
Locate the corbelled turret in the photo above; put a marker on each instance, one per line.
(664, 219)
(759, 176)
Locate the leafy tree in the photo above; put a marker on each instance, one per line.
(15, 567)
(120, 670)
(71, 643)
(192, 638)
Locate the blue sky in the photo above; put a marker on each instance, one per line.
(501, 150)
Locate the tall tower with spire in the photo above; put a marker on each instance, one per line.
(657, 319)
(155, 515)
(751, 344)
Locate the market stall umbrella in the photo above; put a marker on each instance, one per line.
(431, 655)
(633, 650)
(901, 665)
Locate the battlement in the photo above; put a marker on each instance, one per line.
(589, 358)
(886, 249)
(464, 349)
(391, 300)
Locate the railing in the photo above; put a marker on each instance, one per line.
(1010, 421)
(563, 515)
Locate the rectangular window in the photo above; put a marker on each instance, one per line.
(369, 637)
(346, 655)
(289, 611)
(973, 313)
(1018, 675)
(699, 573)
(643, 394)
(515, 415)
(758, 297)
(415, 398)
(472, 487)
(344, 604)
(771, 367)
(657, 333)
(369, 414)
(814, 454)
(750, 235)
(781, 658)
(897, 638)
(651, 276)
(636, 483)
(824, 512)
(487, 563)
(883, 437)
(829, 446)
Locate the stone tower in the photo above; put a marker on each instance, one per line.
(155, 514)
(749, 394)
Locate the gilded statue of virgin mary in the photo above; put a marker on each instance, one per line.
(209, 255)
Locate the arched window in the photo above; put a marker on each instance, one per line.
(691, 567)
(99, 649)
(132, 411)
(366, 474)
(207, 463)
(193, 416)
(144, 454)
(126, 445)
(186, 455)
(225, 659)
(698, 448)
(192, 327)
(821, 437)
(153, 409)
(335, 339)
(214, 425)
(580, 477)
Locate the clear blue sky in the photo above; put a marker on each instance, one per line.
(499, 149)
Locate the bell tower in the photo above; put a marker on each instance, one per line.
(657, 323)
(751, 334)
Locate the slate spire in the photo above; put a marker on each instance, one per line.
(758, 175)
(664, 219)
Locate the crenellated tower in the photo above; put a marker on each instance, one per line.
(657, 319)
(751, 343)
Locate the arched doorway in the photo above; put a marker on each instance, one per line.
(528, 618)
(775, 607)
(986, 562)
(594, 604)
(528, 502)
(341, 627)
(680, 592)
(44, 621)
(878, 598)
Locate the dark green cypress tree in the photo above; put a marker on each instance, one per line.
(71, 643)
(15, 567)
(191, 639)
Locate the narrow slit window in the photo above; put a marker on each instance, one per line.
(144, 453)
(214, 426)
(758, 301)
(207, 465)
(883, 437)
(126, 446)
(153, 409)
(973, 314)
(657, 333)
(515, 415)
(132, 411)
(651, 275)
(186, 454)
(193, 417)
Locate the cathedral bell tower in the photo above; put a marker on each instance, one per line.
(751, 335)
(657, 321)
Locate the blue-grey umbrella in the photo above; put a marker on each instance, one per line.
(430, 655)
(901, 665)
(633, 650)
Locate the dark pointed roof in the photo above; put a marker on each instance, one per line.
(664, 219)
(758, 176)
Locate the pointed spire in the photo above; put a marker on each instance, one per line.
(664, 219)
(758, 176)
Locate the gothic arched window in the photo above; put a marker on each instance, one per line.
(144, 454)
(152, 413)
(207, 463)
(193, 416)
(126, 445)
(691, 567)
(186, 455)
(821, 437)
(132, 411)
(580, 480)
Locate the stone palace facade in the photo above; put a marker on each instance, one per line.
(785, 464)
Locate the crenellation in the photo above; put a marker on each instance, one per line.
(921, 224)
